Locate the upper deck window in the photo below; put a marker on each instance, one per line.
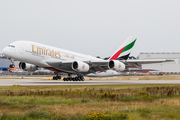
(11, 46)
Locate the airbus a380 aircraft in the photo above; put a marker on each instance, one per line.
(33, 55)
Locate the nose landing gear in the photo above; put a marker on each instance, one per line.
(12, 64)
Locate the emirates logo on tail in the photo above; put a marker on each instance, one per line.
(124, 49)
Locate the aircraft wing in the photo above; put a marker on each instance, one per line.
(149, 61)
(137, 63)
(138, 70)
(66, 66)
(101, 65)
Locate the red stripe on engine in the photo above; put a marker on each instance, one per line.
(100, 71)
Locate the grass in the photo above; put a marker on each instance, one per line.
(87, 102)
(84, 102)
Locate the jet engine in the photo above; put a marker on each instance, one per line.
(116, 65)
(80, 66)
(27, 67)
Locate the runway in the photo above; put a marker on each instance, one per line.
(31, 81)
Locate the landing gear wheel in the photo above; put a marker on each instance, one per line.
(56, 77)
(76, 79)
(59, 77)
(11, 65)
(81, 78)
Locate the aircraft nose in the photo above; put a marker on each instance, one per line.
(5, 51)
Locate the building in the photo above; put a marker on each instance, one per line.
(4, 61)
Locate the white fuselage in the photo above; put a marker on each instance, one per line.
(38, 54)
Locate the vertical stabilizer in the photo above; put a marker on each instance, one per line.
(124, 50)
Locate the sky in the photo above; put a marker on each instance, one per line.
(92, 27)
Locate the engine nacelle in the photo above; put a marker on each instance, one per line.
(80, 66)
(27, 67)
(116, 65)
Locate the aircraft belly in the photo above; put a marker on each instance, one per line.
(62, 67)
(65, 67)
(58, 70)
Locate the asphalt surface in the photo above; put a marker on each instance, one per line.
(31, 81)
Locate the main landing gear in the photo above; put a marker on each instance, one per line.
(74, 78)
(69, 78)
(56, 77)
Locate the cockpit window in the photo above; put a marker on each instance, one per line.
(11, 46)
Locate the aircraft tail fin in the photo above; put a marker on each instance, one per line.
(124, 50)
